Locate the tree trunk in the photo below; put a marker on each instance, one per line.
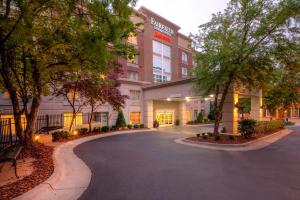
(91, 118)
(219, 108)
(72, 121)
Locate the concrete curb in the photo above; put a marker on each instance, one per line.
(249, 146)
(71, 175)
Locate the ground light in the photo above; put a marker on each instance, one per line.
(168, 99)
(37, 137)
(75, 132)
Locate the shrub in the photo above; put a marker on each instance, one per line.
(223, 130)
(217, 137)
(247, 127)
(60, 135)
(82, 131)
(210, 134)
(155, 124)
(96, 129)
(136, 126)
(105, 129)
(268, 126)
(198, 134)
(121, 123)
(129, 126)
(200, 117)
(113, 127)
(230, 137)
(204, 136)
(289, 123)
(142, 126)
(177, 122)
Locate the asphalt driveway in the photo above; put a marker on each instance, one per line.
(150, 166)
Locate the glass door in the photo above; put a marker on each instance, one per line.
(164, 118)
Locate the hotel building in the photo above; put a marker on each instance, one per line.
(150, 79)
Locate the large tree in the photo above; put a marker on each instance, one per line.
(240, 46)
(42, 38)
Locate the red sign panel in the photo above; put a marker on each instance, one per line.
(163, 36)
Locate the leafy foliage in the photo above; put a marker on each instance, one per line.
(120, 123)
(241, 47)
(247, 127)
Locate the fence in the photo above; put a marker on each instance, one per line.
(7, 138)
(46, 123)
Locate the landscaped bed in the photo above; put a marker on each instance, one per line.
(250, 130)
(43, 168)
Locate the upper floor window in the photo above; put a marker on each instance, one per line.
(132, 39)
(184, 57)
(133, 75)
(135, 94)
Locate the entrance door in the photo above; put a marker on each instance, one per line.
(164, 118)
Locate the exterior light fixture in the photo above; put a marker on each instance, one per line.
(75, 132)
(37, 137)
(168, 99)
(187, 99)
(212, 96)
(206, 99)
(102, 76)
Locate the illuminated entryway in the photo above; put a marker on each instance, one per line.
(165, 118)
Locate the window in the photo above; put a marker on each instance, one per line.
(132, 39)
(161, 62)
(135, 117)
(133, 75)
(68, 119)
(135, 94)
(184, 71)
(184, 57)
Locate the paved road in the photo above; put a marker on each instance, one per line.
(150, 166)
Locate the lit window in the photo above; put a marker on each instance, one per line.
(135, 94)
(132, 39)
(68, 119)
(135, 117)
(161, 62)
(184, 57)
(133, 75)
(184, 71)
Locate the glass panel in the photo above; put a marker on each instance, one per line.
(135, 118)
(157, 47)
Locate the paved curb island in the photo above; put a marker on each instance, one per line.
(248, 146)
(71, 175)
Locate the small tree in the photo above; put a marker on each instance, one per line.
(120, 123)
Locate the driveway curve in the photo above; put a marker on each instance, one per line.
(150, 166)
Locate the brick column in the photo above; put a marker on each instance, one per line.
(182, 113)
(256, 106)
(230, 113)
(148, 113)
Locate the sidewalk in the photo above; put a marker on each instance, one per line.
(71, 176)
(248, 146)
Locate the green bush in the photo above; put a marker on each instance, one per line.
(129, 126)
(82, 131)
(200, 117)
(60, 135)
(231, 137)
(289, 123)
(142, 126)
(217, 137)
(105, 128)
(204, 136)
(136, 126)
(223, 130)
(247, 127)
(113, 127)
(97, 129)
(120, 123)
(210, 134)
(268, 126)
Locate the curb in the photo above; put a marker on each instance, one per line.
(248, 146)
(71, 175)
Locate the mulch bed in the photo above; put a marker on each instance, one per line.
(43, 169)
(224, 139)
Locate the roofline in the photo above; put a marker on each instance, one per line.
(167, 84)
(147, 9)
(184, 36)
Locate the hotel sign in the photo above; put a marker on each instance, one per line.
(161, 27)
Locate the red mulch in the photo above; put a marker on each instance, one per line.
(43, 168)
(224, 139)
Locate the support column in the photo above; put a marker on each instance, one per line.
(148, 113)
(256, 106)
(230, 112)
(182, 113)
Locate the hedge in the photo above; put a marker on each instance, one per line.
(57, 135)
(268, 126)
